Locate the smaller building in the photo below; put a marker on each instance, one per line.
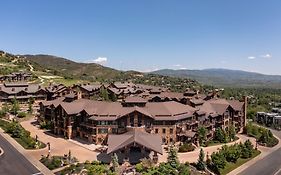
(16, 76)
(22, 91)
(270, 119)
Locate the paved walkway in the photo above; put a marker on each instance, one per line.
(59, 146)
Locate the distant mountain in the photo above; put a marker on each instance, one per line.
(64, 67)
(225, 77)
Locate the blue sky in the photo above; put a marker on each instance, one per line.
(148, 34)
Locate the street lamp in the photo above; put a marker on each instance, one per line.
(49, 149)
(256, 144)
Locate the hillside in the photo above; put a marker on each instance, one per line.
(48, 68)
(70, 69)
(225, 77)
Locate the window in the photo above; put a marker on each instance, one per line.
(171, 130)
(163, 130)
(156, 131)
(102, 131)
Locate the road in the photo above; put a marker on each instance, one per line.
(269, 165)
(12, 162)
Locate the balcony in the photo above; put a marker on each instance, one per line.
(192, 122)
(88, 125)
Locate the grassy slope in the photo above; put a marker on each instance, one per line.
(65, 67)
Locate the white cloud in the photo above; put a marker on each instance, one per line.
(177, 65)
(251, 57)
(99, 60)
(266, 56)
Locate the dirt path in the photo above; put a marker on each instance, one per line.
(32, 70)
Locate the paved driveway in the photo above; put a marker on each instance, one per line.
(59, 146)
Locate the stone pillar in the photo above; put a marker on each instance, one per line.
(69, 132)
(126, 154)
(155, 157)
(90, 139)
(135, 120)
(128, 120)
(142, 151)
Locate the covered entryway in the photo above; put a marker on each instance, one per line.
(133, 146)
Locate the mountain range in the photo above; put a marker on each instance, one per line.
(95, 72)
(225, 77)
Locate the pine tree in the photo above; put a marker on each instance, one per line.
(114, 161)
(202, 134)
(201, 164)
(219, 135)
(5, 108)
(15, 106)
(232, 132)
(104, 94)
(30, 102)
(173, 157)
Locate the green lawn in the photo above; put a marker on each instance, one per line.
(215, 143)
(3, 124)
(231, 166)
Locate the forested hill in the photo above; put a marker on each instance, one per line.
(226, 77)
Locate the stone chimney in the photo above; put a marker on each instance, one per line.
(79, 94)
(245, 109)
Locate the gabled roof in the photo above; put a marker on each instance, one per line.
(90, 87)
(149, 141)
(134, 99)
(236, 105)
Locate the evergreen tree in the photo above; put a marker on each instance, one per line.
(219, 135)
(232, 132)
(173, 160)
(5, 108)
(201, 164)
(202, 134)
(112, 97)
(15, 106)
(104, 94)
(30, 103)
(218, 160)
(114, 161)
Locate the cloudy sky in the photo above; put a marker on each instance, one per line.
(148, 35)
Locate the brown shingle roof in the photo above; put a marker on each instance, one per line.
(150, 141)
(134, 99)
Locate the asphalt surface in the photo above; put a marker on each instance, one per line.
(269, 165)
(14, 163)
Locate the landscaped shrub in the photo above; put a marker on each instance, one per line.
(22, 136)
(186, 147)
(21, 114)
(230, 154)
(263, 135)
